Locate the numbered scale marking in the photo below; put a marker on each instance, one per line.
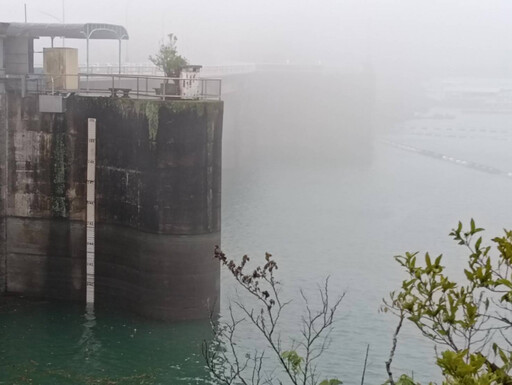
(91, 203)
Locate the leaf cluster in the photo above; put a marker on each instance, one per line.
(167, 58)
(465, 318)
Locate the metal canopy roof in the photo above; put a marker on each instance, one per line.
(69, 31)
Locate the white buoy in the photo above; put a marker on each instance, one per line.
(91, 203)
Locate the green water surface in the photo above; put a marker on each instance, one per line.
(60, 343)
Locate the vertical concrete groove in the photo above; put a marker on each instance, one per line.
(6, 185)
(4, 105)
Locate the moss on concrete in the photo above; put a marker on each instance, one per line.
(151, 111)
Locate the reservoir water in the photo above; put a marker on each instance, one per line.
(337, 219)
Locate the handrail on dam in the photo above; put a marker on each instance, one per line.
(123, 85)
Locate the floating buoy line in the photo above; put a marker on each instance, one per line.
(459, 162)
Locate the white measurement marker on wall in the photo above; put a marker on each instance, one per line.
(90, 224)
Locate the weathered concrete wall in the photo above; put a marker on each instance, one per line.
(158, 202)
(16, 55)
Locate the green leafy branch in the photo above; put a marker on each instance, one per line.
(464, 317)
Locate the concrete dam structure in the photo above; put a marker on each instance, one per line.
(140, 234)
(158, 200)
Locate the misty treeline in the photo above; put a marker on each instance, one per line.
(469, 321)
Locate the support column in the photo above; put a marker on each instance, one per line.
(87, 64)
(87, 55)
(119, 57)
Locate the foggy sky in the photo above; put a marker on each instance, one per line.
(394, 35)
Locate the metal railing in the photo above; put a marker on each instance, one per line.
(151, 70)
(141, 69)
(127, 86)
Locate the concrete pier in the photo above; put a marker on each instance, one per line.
(158, 200)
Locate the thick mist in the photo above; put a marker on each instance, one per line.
(363, 129)
(399, 45)
(424, 38)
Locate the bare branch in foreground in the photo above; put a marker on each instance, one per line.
(298, 362)
(393, 348)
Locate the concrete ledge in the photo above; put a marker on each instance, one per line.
(160, 276)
